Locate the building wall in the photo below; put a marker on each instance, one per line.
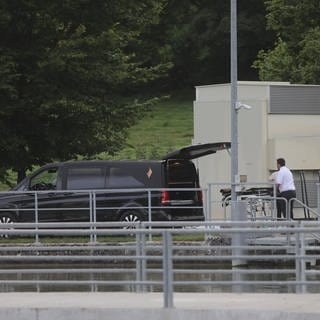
(295, 138)
(263, 137)
(212, 124)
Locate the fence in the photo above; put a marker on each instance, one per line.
(272, 256)
(101, 205)
(90, 203)
(196, 257)
(261, 201)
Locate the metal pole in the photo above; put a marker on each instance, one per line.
(167, 269)
(141, 264)
(234, 111)
(91, 216)
(238, 211)
(318, 197)
(36, 211)
(207, 204)
(149, 214)
(94, 207)
(303, 262)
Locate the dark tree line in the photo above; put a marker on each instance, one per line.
(72, 71)
(295, 55)
(197, 36)
(65, 66)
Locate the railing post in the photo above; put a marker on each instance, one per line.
(318, 197)
(274, 208)
(297, 262)
(140, 262)
(303, 262)
(36, 214)
(149, 213)
(300, 261)
(205, 203)
(167, 269)
(287, 209)
(91, 216)
(238, 239)
(209, 209)
(94, 211)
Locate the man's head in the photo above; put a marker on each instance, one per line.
(281, 162)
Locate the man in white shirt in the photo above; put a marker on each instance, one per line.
(286, 187)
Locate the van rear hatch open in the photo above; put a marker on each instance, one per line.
(197, 151)
(181, 174)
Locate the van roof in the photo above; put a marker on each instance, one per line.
(94, 162)
(187, 153)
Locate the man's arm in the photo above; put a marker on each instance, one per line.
(279, 180)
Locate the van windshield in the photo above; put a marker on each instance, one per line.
(44, 180)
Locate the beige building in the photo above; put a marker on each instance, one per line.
(284, 121)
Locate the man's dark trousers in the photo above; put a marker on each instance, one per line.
(282, 204)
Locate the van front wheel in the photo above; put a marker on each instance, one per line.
(131, 218)
(6, 220)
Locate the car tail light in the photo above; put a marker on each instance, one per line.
(200, 195)
(165, 197)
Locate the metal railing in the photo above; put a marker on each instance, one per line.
(89, 205)
(259, 205)
(197, 257)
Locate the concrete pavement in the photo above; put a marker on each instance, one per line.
(134, 306)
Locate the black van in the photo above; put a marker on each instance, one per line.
(125, 190)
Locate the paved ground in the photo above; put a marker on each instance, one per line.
(124, 306)
(259, 301)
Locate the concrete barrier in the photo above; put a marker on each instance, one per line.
(134, 306)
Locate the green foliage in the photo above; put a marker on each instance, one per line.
(69, 68)
(101, 239)
(275, 64)
(195, 36)
(65, 67)
(309, 57)
(167, 127)
(295, 56)
(9, 179)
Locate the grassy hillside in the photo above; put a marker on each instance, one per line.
(167, 127)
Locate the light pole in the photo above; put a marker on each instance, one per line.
(234, 109)
(237, 207)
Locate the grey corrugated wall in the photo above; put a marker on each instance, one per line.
(295, 100)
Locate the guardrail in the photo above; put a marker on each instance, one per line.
(199, 256)
(260, 204)
(101, 205)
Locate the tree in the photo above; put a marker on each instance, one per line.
(276, 62)
(65, 69)
(195, 36)
(296, 54)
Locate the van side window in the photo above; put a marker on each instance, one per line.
(85, 178)
(45, 180)
(120, 178)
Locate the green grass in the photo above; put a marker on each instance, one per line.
(168, 127)
(101, 239)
